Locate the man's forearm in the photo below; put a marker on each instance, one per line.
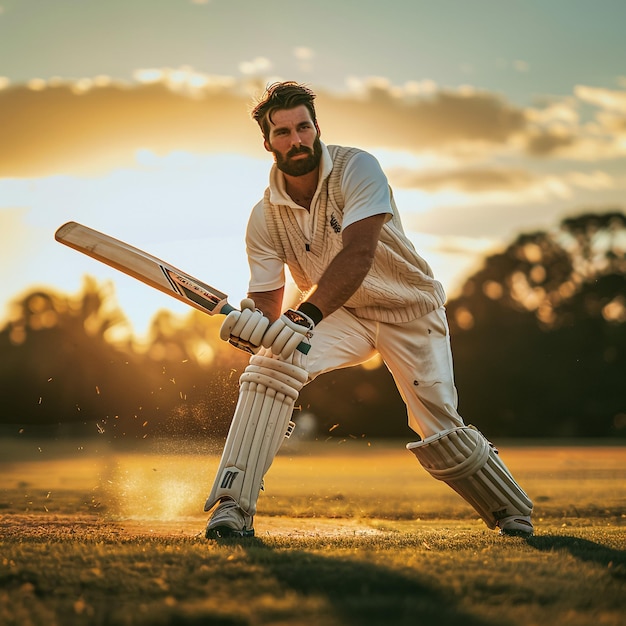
(341, 279)
(343, 276)
(269, 302)
(348, 269)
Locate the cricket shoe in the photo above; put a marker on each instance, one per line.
(229, 521)
(516, 526)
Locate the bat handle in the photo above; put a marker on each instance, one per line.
(228, 308)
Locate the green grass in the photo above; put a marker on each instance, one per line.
(348, 533)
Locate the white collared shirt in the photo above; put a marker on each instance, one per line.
(365, 190)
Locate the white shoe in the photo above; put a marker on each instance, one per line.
(516, 526)
(228, 520)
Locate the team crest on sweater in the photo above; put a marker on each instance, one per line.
(336, 226)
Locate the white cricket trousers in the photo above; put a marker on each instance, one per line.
(417, 354)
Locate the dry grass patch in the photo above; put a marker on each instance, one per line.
(351, 534)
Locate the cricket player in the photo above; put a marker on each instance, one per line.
(329, 216)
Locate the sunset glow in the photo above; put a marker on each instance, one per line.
(150, 139)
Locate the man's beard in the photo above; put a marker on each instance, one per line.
(300, 167)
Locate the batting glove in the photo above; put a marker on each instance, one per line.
(244, 329)
(287, 332)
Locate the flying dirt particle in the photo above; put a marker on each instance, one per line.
(330, 430)
(80, 606)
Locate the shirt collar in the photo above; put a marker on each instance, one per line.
(278, 194)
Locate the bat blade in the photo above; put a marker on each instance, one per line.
(148, 269)
(144, 267)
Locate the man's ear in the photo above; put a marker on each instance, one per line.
(319, 132)
(267, 145)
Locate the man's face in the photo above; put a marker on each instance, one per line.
(294, 141)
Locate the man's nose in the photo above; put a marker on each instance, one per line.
(295, 138)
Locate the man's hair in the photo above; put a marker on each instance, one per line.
(286, 95)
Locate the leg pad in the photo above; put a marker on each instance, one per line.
(467, 462)
(268, 390)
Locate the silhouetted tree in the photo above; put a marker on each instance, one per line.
(73, 360)
(539, 333)
(58, 364)
(538, 336)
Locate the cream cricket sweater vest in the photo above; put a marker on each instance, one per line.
(400, 285)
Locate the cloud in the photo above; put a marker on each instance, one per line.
(469, 180)
(302, 53)
(608, 99)
(66, 128)
(609, 126)
(456, 187)
(559, 129)
(91, 125)
(545, 142)
(95, 124)
(304, 57)
(183, 80)
(562, 112)
(481, 220)
(594, 180)
(521, 66)
(440, 120)
(258, 66)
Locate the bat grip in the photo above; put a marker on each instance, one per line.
(228, 308)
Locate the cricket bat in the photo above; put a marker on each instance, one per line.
(148, 269)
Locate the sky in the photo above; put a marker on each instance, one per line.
(490, 118)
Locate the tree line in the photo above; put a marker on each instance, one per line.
(538, 338)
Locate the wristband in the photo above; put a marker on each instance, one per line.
(312, 311)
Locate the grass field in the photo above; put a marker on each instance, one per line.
(352, 533)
